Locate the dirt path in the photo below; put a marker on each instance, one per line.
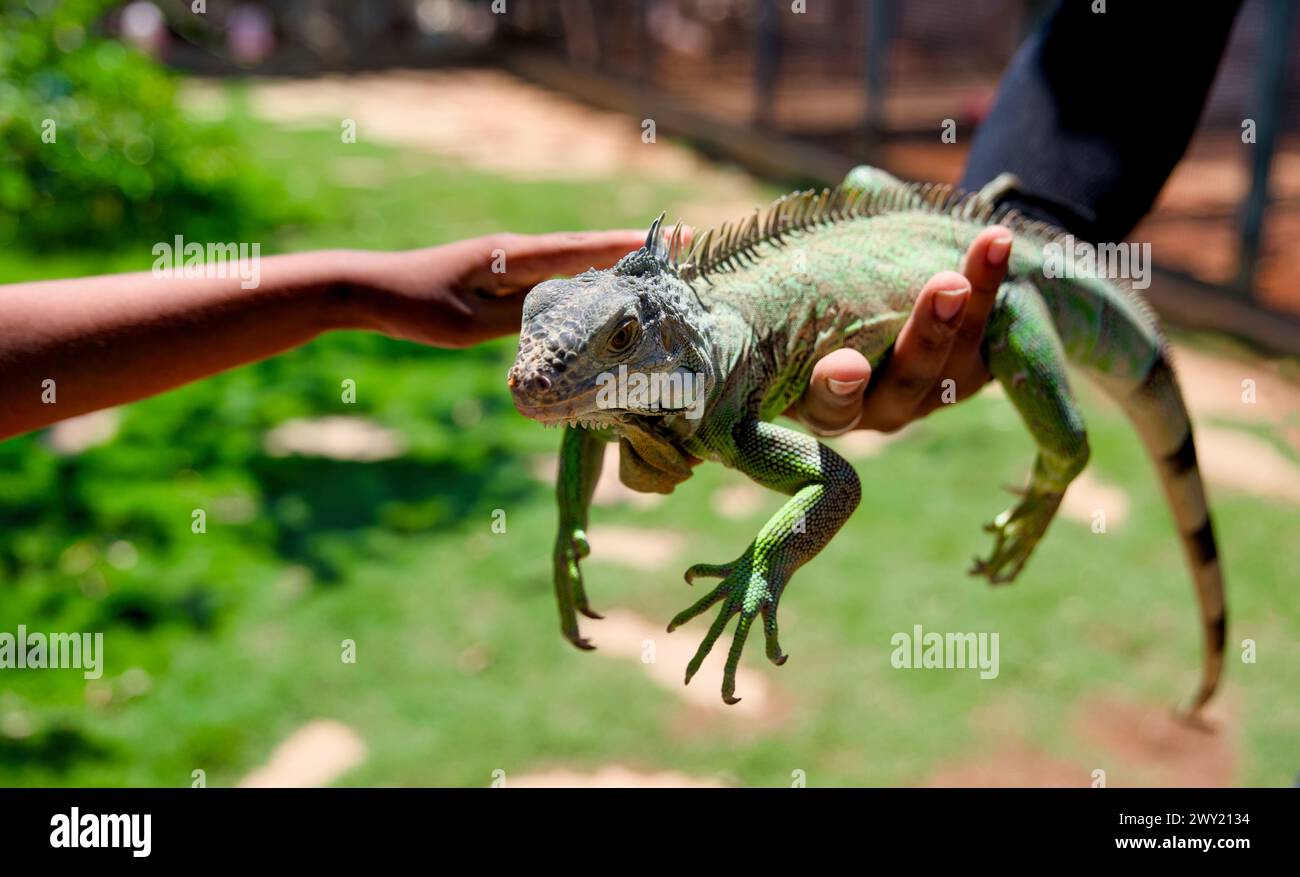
(663, 656)
(315, 755)
(610, 776)
(1128, 744)
(492, 121)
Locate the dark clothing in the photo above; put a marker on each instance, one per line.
(1097, 108)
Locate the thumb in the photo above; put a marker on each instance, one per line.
(832, 404)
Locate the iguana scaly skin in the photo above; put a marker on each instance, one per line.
(753, 306)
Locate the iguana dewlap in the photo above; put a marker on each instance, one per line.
(727, 336)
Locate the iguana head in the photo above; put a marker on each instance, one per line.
(606, 345)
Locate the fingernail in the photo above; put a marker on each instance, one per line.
(999, 249)
(949, 302)
(845, 388)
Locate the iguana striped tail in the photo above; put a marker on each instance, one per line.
(1110, 331)
(1157, 410)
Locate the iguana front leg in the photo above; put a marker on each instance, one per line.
(582, 452)
(823, 490)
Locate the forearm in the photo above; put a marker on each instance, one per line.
(109, 340)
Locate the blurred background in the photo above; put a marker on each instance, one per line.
(372, 523)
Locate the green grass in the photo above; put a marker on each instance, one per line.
(461, 670)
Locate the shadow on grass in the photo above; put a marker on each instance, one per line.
(56, 748)
(326, 511)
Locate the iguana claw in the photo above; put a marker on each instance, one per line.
(1016, 531)
(748, 589)
(569, 592)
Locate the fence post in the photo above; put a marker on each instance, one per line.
(1270, 90)
(767, 63)
(879, 33)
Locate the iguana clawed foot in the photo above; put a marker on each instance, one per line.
(748, 589)
(569, 590)
(1016, 532)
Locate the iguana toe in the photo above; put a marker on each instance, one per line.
(774, 653)
(706, 645)
(718, 593)
(1016, 533)
(747, 590)
(708, 571)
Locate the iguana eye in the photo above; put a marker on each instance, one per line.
(622, 339)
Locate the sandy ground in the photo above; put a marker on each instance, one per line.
(609, 490)
(339, 437)
(612, 776)
(492, 121)
(663, 656)
(78, 434)
(636, 547)
(1126, 744)
(1130, 744)
(484, 118)
(316, 754)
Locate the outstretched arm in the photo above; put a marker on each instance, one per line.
(110, 340)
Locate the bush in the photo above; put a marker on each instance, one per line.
(94, 152)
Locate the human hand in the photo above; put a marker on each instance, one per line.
(940, 340)
(460, 294)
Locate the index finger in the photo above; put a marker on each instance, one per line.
(530, 259)
(985, 266)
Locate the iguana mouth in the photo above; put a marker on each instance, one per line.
(586, 408)
(567, 413)
(578, 410)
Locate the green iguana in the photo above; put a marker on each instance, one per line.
(736, 325)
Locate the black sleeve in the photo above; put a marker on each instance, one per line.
(1097, 108)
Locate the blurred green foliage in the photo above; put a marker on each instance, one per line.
(93, 150)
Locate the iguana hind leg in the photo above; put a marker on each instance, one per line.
(823, 489)
(1025, 355)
